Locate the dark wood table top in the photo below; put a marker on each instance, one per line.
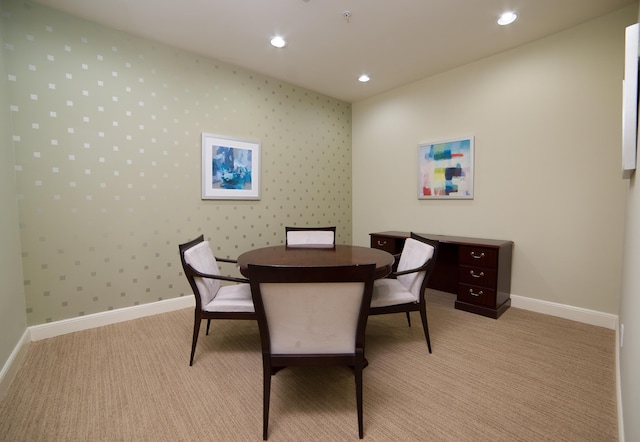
(317, 256)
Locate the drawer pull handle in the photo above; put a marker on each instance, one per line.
(381, 243)
(480, 293)
(475, 256)
(474, 275)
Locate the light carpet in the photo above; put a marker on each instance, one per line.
(523, 377)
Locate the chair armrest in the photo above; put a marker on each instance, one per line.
(406, 272)
(221, 277)
(226, 260)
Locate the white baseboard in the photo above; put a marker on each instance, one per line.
(52, 329)
(13, 363)
(579, 314)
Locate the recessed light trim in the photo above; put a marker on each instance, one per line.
(507, 18)
(278, 42)
(364, 78)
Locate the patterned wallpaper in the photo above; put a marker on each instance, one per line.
(107, 139)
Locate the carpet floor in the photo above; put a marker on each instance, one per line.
(523, 377)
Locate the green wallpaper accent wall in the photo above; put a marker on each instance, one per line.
(107, 138)
(13, 317)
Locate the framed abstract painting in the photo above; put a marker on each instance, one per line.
(230, 168)
(445, 169)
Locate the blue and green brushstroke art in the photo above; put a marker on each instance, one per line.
(231, 168)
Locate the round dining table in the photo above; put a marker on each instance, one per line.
(318, 256)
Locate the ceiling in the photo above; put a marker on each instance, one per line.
(396, 42)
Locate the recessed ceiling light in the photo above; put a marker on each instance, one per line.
(363, 78)
(278, 42)
(507, 18)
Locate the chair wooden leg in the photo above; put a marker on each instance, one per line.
(408, 319)
(425, 324)
(266, 395)
(208, 325)
(357, 371)
(194, 341)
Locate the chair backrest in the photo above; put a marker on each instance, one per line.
(311, 311)
(310, 235)
(416, 252)
(197, 255)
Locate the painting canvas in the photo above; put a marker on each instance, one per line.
(230, 168)
(630, 139)
(445, 169)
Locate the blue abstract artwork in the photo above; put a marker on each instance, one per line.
(231, 167)
(446, 169)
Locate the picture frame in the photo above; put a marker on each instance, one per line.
(630, 139)
(445, 169)
(230, 168)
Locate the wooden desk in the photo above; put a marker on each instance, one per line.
(318, 257)
(478, 270)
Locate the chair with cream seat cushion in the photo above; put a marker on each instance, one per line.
(314, 316)
(404, 289)
(213, 300)
(300, 236)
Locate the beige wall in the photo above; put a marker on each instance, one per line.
(107, 138)
(12, 303)
(629, 362)
(546, 121)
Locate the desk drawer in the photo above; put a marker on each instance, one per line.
(476, 295)
(385, 243)
(484, 277)
(477, 256)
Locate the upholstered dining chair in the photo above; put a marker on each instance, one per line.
(404, 289)
(213, 300)
(309, 317)
(310, 236)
